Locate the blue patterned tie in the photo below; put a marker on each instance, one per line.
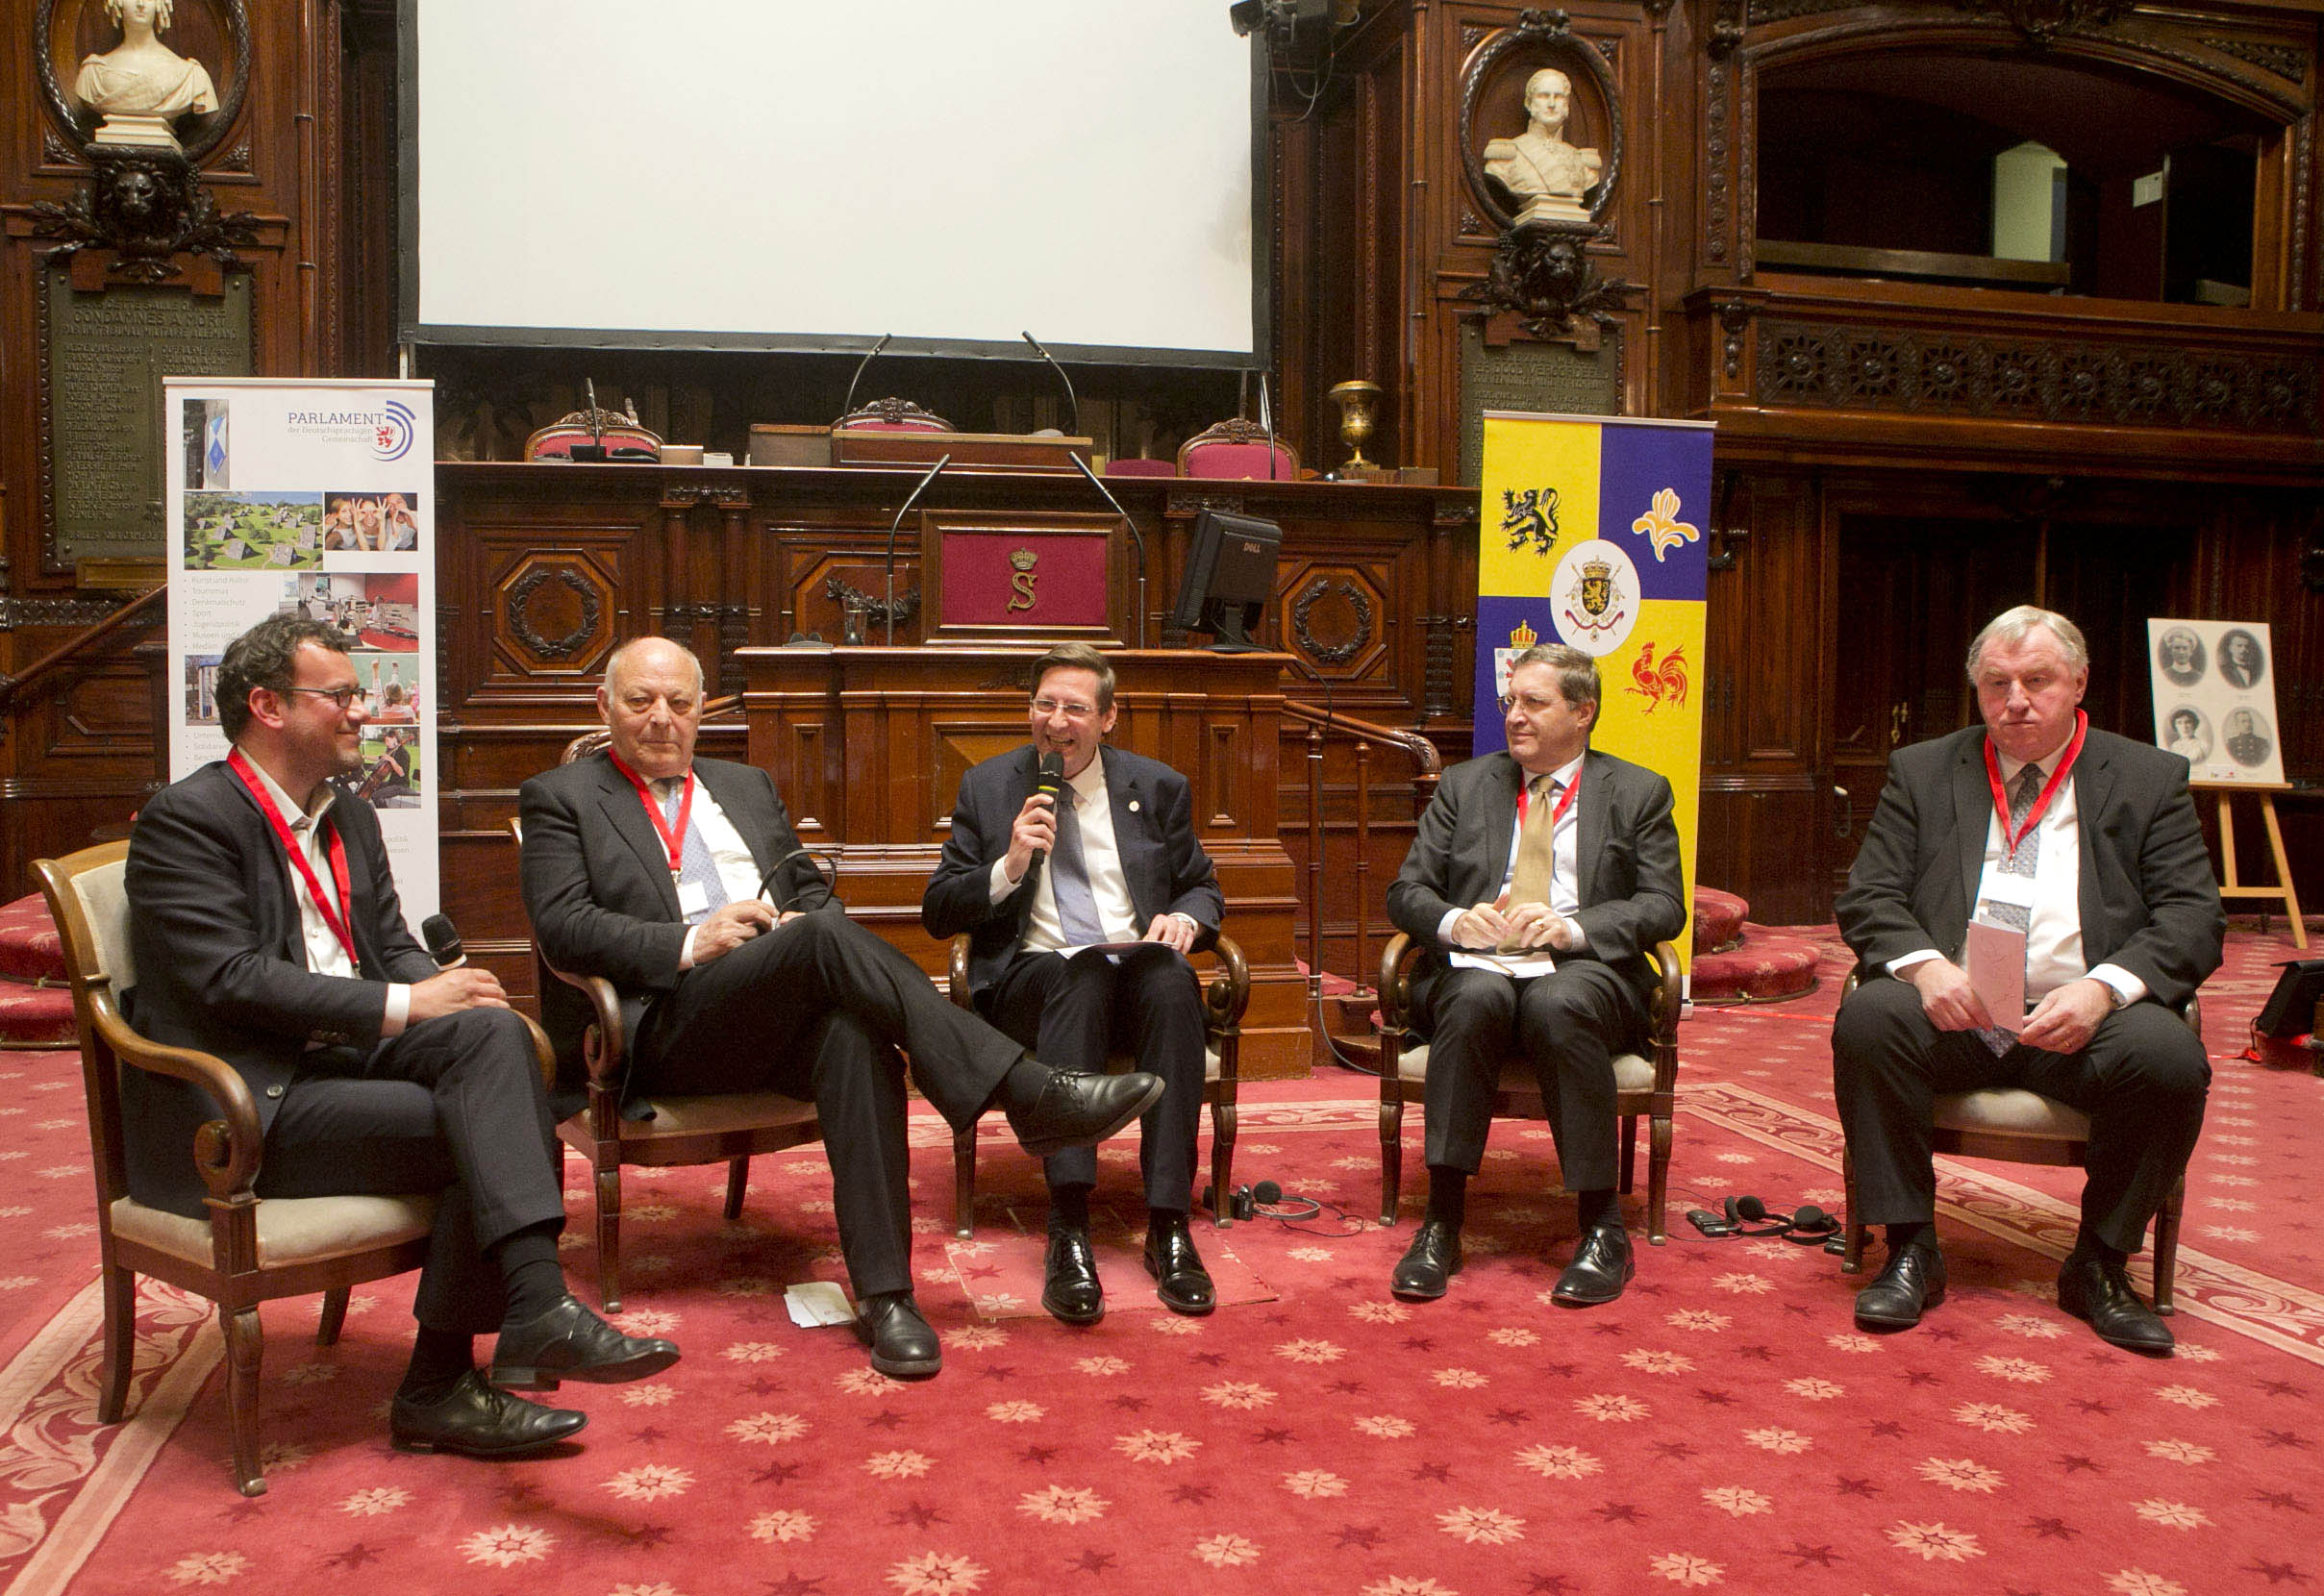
(2022, 861)
(1069, 879)
(696, 863)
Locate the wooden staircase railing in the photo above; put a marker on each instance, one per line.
(1426, 765)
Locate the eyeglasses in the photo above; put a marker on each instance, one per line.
(1046, 706)
(340, 697)
(1533, 705)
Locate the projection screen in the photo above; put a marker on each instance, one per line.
(778, 175)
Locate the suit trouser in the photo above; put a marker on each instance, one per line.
(453, 1105)
(2142, 1080)
(1071, 1012)
(1561, 1021)
(816, 1009)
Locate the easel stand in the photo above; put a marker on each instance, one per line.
(2230, 887)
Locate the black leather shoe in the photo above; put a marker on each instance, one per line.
(1069, 1289)
(1081, 1111)
(1602, 1266)
(1182, 1283)
(478, 1420)
(2101, 1293)
(569, 1342)
(1433, 1258)
(1912, 1279)
(902, 1345)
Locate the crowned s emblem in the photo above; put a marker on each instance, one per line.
(1021, 595)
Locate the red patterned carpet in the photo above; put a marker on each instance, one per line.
(1722, 1426)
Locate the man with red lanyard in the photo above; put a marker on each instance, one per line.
(681, 881)
(266, 931)
(2087, 843)
(1537, 883)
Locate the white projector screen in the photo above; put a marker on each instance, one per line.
(774, 174)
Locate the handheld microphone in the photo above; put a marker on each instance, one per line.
(909, 499)
(1073, 405)
(1138, 538)
(848, 407)
(1051, 782)
(443, 942)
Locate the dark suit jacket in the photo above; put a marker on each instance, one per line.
(2147, 898)
(596, 881)
(1153, 827)
(222, 964)
(1631, 893)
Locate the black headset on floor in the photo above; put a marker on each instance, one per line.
(1808, 1226)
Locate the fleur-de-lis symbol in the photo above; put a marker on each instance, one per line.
(1662, 524)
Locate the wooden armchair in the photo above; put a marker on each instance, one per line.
(1238, 449)
(1645, 1082)
(250, 1249)
(1225, 996)
(727, 1127)
(2018, 1126)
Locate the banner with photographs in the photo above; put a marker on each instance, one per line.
(2216, 700)
(311, 497)
(1591, 532)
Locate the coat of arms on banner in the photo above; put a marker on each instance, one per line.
(1530, 517)
(1595, 593)
(1521, 638)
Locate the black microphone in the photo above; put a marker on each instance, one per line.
(1138, 538)
(443, 942)
(1072, 405)
(1267, 1193)
(848, 407)
(910, 500)
(1051, 782)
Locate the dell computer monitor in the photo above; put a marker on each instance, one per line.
(1230, 577)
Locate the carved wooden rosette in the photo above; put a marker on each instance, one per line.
(1542, 271)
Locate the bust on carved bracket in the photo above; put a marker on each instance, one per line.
(140, 86)
(1545, 174)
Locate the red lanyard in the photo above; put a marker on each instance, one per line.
(336, 921)
(672, 838)
(1564, 801)
(2049, 790)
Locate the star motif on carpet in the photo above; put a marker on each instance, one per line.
(1193, 1495)
(1922, 1376)
(2281, 1387)
(1509, 1416)
(919, 1515)
(648, 1433)
(1848, 1486)
(1823, 1556)
(241, 1510)
(1441, 1473)
(998, 1371)
(2284, 1437)
(1343, 1387)
(2074, 1464)
(2052, 1529)
(2091, 1405)
(1365, 1536)
(775, 1474)
(1712, 1395)
(1037, 1454)
(2276, 1573)
(2280, 1499)
(1674, 1450)
(1550, 1584)
(1274, 1437)
(1621, 1512)
(354, 1557)
(795, 1584)
(887, 1418)
(1888, 1429)
(1091, 1561)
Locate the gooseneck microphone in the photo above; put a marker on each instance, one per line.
(443, 942)
(847, 406)
(1138, 538)
(1073, 405)
(909, 499)
(1052, 781)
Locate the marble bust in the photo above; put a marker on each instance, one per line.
(141, 84)
(1545, 173)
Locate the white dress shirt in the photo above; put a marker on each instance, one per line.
(738, 869)
(1101, 862)
(326, 954)
(1564, 868)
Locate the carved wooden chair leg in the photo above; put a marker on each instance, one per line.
(609, 1237)
(1630, 1154)
(121, 1343)
(243, 1348)
(334, 1317)
(1659, 1130)
(2166, 1248)
(963, 1181)
(1222, 1162)
(737, 1180)
(1391, 1152)
(1852, 1245)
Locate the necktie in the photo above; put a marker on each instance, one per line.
(1529, 883)
(1069, 877)
(695, 864)
(2027, 855)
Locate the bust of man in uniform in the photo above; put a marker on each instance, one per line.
(142, 83)
(1538, 165)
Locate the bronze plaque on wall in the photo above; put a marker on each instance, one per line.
(102, 357)
(1548, 379)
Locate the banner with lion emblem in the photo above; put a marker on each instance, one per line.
(1592, 532)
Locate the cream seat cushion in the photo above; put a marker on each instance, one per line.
(291, 1230)
(1631, 1071)
(2011, 1108)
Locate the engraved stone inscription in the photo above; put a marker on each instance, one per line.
(1552, 379)
(102, 431)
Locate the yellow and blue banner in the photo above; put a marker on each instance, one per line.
(1591, 532)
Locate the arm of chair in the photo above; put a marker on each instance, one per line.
(1668, 999)
(1229, 990)
(956, 984)
(1396, 981)
(226, 1151)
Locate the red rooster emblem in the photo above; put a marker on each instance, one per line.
(1662, 682)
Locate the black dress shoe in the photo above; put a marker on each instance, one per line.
(569, 1342)
(478, 1420)
(2101, 1293)
(1074, 1109)
(1912, 1280)
(903, 1347)
(1069, 1289)
(1183, 1284)
(1602, 1266)
(1433, 1258)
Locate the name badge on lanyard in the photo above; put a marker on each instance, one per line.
(693, 900)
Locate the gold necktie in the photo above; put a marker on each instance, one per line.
(1529, 883)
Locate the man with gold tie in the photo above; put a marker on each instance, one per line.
(1537, 883)
(2087, 845)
